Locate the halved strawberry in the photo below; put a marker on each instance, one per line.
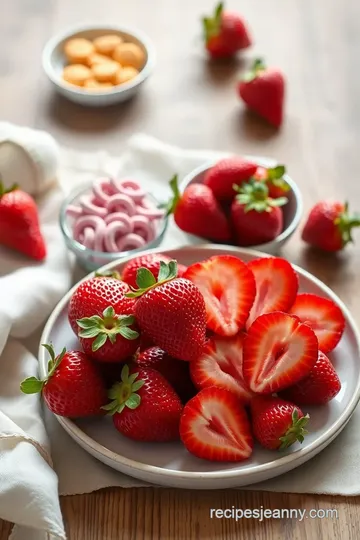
(276, 286)
(323, 316)
(220, 365)
(214, 426)
(228, 288)
(278, 352)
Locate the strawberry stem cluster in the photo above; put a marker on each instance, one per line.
(146, 280)
(296, 432)
(345, 223)
(33, 385)
(212, 25)
(124, 394)
(254, 195)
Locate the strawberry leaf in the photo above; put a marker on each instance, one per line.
(275, 173)
(128, 333)
(257, 67)
(167, 272)
(133, 401)
(345, 223)
(99, 342)
(144, 278)
(123, 394)
(171, 205)
(296, 431)
(109, 273)
(137, 385)
(32, 385)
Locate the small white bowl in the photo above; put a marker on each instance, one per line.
(54, 61)
(292, 210)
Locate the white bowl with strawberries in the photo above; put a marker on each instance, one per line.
(240, 370)
(248, 202)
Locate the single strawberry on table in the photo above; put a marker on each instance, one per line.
(214, 426)
(225, 33)
(222, 176)
(150, 261)
(144, 406)
(276, 423)
(220, 365)
(320, 386)
(171, 311)
(278, 351)
(274, 179)
(263, 89)
(19, 223)
(73, 386)
(323, 316)
(198, 212)
(228, 288)
(329, 226)
(276, 286)
(256, 218)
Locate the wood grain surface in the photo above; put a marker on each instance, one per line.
(192, 102)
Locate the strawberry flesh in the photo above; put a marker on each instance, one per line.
(214, 426)
(323, 316)
(278, 352)
(228, 288)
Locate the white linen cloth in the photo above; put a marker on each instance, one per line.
(28, 293)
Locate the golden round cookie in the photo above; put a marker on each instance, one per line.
(76, 74)
(77, 50)
(96, 58)
(96, 86)
(129, 54)
(125, 74)
(107, 43)
(106, 71)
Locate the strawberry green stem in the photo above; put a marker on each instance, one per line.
(124, 394)
(146, 280)
(296, 432)
(212, 25)
(171, 205)
(258, 67)
(254, 195)
(4, 191)
(33, 385)
(346, 223)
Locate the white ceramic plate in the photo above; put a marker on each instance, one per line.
(170, 464)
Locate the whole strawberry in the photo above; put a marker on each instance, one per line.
(171, 311)
(150, 261)
(277, 423)
(329, 225)
(256, 218)
(263, 89)
(73, 386)
(197, 212)
(274, 179)
(225, 33)
(19, 223)
(229, 171)
(144, 406)
(320, 386)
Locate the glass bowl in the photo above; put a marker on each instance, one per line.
(89, 259)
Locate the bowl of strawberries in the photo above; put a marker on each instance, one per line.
(248, 202)
(201, 367)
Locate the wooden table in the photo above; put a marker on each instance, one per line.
(193, 103)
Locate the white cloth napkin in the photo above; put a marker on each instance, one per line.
(28, 294)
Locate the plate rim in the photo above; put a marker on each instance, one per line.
(301, 455)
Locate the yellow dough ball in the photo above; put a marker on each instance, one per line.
(96, 58)
(96, 86)
(106, 44)
(129, 54)
(106, 71)
(125, 74)
(77, 50)
(76, 74)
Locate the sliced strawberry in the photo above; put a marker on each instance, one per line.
(214, 426)
(221, 365)
(278, 352)
(228, 288)
(276, 286)
(323, 316)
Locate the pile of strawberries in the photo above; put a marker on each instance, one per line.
(225, 353)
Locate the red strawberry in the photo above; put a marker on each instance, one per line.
(256, 218)
(274, 179)
(277, 424)
(214, 426)
(176, 372)
(93, 296)
(278, 352)
(144, 406)
(329, 226)
(225, 33)
(171, 311)
(320, 386)
(197, 212)
(73, 386)
(263, 89)
(228, 288)
(19, 223)
(228, 172)
(276, 286)
(221, 365)
(323, 316)
(150, 261)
